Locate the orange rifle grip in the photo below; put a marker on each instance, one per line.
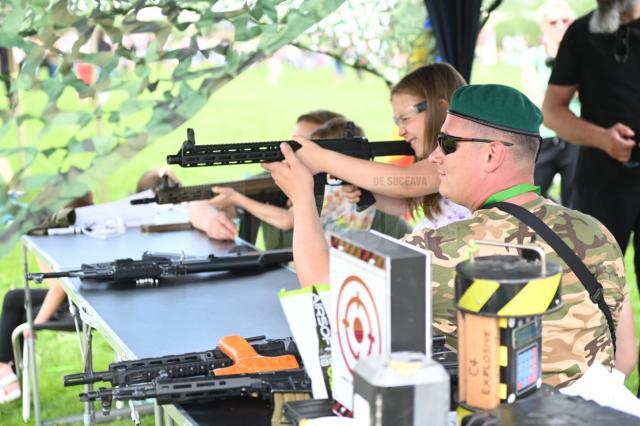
(247, 360)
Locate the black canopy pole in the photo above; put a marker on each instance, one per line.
(456, 24)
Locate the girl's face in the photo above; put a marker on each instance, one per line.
(411, 119)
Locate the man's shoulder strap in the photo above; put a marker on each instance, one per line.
(594, 288)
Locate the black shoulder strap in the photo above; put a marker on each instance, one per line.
(578, 267)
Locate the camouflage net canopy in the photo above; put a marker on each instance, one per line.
(157, 63)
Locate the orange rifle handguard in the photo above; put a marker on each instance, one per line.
(247, 360)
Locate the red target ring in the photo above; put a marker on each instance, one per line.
(358, 322)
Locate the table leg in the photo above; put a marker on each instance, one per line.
(89, 411)
(158, 413)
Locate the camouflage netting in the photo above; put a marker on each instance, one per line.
(158, 63)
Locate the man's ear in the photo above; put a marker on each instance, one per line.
(495, 155)
(443, 103)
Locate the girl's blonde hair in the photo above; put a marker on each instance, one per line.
(434, 84)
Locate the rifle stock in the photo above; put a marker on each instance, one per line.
(192, 155)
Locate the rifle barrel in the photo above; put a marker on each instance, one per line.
(87, 378)
(39, 276)
(144, 201)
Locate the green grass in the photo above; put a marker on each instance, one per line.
(247, 109)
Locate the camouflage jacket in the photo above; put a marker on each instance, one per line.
(576, 335)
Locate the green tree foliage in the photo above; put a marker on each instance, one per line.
(80, 139)
(386, 37)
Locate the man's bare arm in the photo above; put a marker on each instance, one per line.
(626, 350)
(215, 223)
(617, 140)
(279, 217)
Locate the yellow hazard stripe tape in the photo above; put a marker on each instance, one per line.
(534, 298)
(477, 294)
(462, 412)
(503, 356)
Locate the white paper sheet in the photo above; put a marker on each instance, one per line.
(606, 388)
(122, 211)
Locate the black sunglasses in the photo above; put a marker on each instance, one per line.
(449, 143)
(621, 54)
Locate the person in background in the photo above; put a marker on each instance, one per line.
(557, 156)
(151, 179)
(48, 304)
(599, 58)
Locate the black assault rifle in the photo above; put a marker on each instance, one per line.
(205, 388)
(260, 188)
(192, 155)
(148, 271)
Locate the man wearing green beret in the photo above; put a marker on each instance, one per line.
(486, 153)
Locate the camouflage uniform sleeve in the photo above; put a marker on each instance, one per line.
(578, 334)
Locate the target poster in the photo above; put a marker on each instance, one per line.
(360, 319)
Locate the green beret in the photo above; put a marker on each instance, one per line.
(498, 106)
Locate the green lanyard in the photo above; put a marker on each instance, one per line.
(512, 192)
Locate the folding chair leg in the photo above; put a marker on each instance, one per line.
(22, 364)
(17, 347)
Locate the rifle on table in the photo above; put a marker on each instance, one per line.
(194, 389)
(148, 271)
(192, 155)
(126, 373)
(250, 375)
(260, 188)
